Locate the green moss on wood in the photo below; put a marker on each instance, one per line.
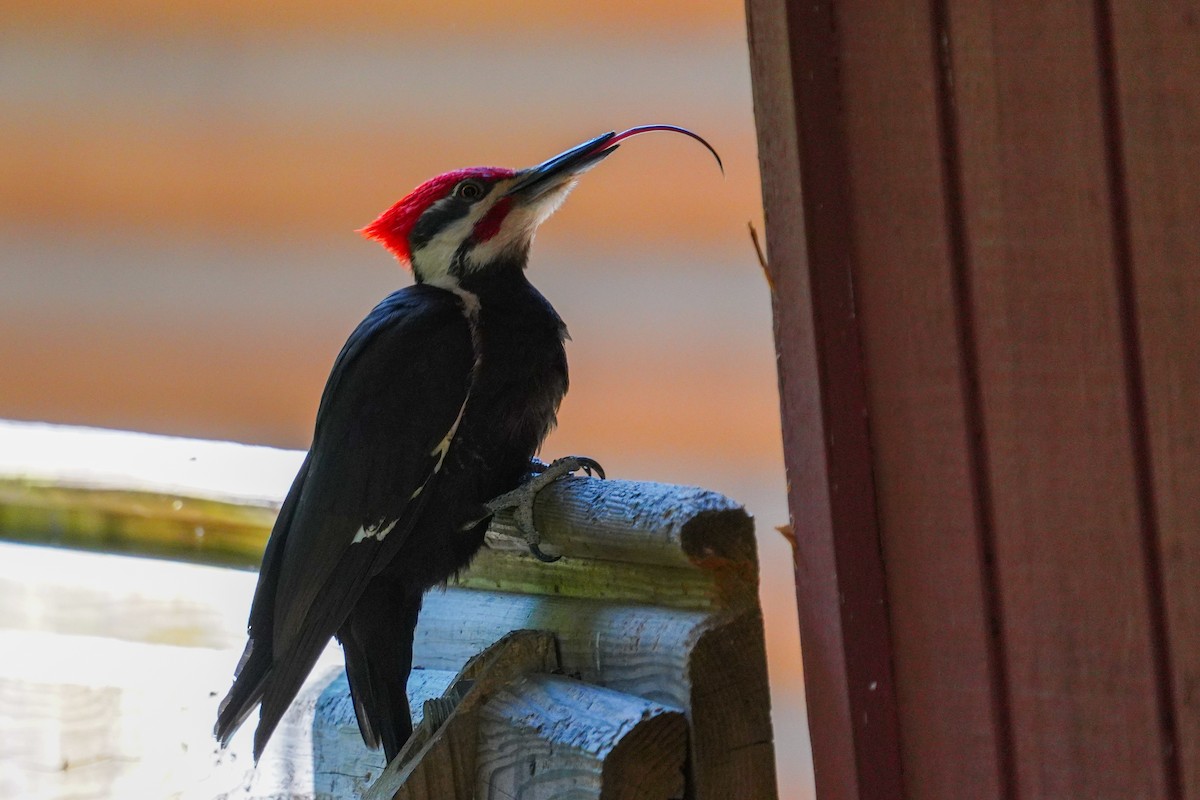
(223, 533)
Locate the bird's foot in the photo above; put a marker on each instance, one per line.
(520, 500)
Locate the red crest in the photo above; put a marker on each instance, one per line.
(391, 228)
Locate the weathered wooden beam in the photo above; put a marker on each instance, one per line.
(688, 526)
(709, 664)
(699, 548)
(633, 541)
(120, 491)
(318, 750)
(439, 760)
(546, 736)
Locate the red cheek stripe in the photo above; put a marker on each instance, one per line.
(489, 226)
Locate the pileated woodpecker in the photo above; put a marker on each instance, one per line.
(429, 423)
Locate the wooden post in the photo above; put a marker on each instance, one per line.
(981, 229)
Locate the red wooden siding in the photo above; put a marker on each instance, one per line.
(983, 221)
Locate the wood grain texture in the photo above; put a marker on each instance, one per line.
(636, 649)
(622, 540)
(729, 709)
(796, 55)
(639, 649)
(1068, 526)
(907, 257)
(642, 522)
(629, 542)
(1003, 192)
(550, 737)
(1156, 58)
(708, 664)
(439, 759)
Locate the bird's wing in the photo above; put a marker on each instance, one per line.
(392, 402)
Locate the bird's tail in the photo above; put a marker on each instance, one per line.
(378, 640)
(260, 679)
(249, 681)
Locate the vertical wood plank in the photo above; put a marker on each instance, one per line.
(906, 234)
(1000, 203)
(1156, 54)
(839, 571)
(1077, 611)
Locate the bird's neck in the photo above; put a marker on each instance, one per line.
(493, 287)
(501, 293)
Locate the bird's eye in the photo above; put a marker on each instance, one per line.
(469, 190)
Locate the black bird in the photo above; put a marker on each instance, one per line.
(429, 423)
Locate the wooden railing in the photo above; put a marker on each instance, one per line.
(632, 667)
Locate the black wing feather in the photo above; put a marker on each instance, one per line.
(394, 393)
(255, 664)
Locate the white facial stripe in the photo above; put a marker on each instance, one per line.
(433, 260)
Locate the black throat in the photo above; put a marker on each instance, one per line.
(509, 303)
(520, 375)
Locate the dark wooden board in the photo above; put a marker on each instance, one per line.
(982, 230)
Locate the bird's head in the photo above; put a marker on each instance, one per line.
(469, 220)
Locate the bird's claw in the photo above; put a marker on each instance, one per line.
(589, 465)
(537, 553)
(521, 499)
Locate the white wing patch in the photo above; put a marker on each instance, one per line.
(470, 303)
(377, 530)
(443, 447)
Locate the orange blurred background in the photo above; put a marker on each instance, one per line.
(180, 182)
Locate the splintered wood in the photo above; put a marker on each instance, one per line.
(634, 667)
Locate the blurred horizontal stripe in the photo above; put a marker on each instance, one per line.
(706, 296)
(369, 17)
(283, 185)
(659, 350)
(204, 381)
(276, 141)
(379, 84)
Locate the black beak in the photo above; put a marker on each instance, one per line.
(536, 181)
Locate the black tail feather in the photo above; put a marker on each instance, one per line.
(282, 684)
(384, 621)
(249, 680)
(359, 677)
